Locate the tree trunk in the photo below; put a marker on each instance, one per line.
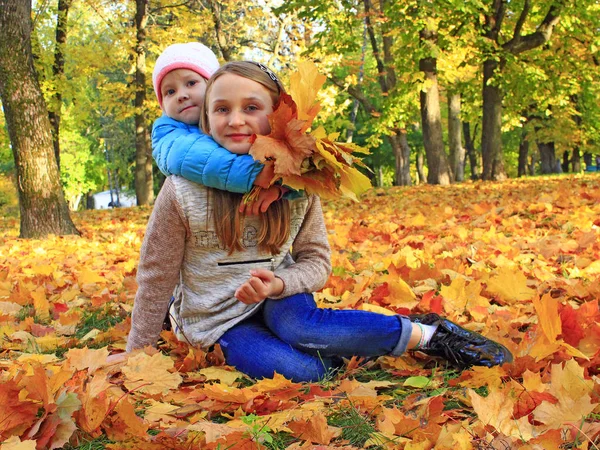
(401, 151)
(491, 137)
(220, 37)
(533, 160)
(548, 157)
(43, 209)
(457, 151)
(523, 154)
(566, 161)
(576, 160)
(380, 176)
(470, 150)
(58, 72)
(420, 168)
(431, 118)
(143, 149)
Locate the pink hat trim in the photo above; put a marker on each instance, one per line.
(174, 66)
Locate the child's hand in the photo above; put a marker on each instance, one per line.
(261, 285)
(261, 204)
(264, 178)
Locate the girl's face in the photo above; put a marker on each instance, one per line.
(237, 108)
(183, 94)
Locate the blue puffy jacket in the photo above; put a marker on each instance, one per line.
(181, 149)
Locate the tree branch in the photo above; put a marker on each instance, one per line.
(356, 93)
(160, 8)
(375, 47)
(537, 38)
(388, 57)
(494, 23)
(521, 21)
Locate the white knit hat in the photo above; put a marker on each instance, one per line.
(191, 55)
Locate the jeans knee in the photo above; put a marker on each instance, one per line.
(308, 333)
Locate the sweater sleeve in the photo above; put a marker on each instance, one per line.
(181, 149)
(161, 258)
(311, 254)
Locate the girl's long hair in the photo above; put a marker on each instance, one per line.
(228, 222)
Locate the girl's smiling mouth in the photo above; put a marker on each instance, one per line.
(238, 136)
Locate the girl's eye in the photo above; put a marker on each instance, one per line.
(221, 109)
(170, 92)
(252, 108)
(192, 83)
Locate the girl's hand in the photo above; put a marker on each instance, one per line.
(262, 284)
(265, 198)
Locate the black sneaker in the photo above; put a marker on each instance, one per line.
(461, 347)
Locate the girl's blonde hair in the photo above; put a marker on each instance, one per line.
(228, 222)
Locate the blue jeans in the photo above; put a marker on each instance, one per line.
(295, 338)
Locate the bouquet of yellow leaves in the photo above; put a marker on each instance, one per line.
(313, 162)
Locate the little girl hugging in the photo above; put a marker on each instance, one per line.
(245, 282)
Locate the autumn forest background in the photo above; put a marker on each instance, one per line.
(483, 121)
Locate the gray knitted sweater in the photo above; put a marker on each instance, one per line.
(181, 248)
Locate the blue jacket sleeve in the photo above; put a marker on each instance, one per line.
(181, 149)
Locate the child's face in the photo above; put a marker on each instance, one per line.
(237, 108)
(183, 94)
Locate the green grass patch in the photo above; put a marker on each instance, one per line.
(98, 443)
(356, 428)
(281, 441)
(99, 320)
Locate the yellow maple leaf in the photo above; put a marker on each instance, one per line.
(220, 391)
(85, 358)
(41, 303)
(14, 443)
(305, 84)
(160, 412)
(460, 296)
(484, 376)
(572, 391)
(87, 276)
(401, 293)
(150, 374)
(510, 285)
(546, 309)
(455, 436)
(497, 410)
(225, 376)
(273, 384)
(377, 309)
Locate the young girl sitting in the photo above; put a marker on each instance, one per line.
(246, 282)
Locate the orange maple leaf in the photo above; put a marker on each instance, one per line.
(528, 401)
(314, 430)
(14, 412)
(84, 358)
(125, 423)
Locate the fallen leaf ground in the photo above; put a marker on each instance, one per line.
(517, 261)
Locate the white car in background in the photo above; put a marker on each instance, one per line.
(102, 200)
